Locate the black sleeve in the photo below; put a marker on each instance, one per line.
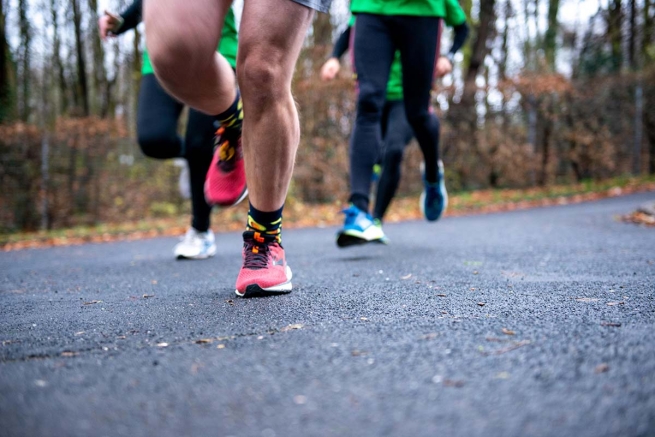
(341, 46)
(461, 33)
(132, 16)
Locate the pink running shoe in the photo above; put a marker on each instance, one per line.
(265, 270)
(225, 183)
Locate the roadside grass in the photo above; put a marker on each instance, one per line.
(299, 214)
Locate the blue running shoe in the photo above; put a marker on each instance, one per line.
(434, 199)
(358, 228)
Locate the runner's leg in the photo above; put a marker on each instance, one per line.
(272, 33)
(199, 144)
(156, 126)
(398, 134)
(418, 38)
(182, 37)
(373, 49)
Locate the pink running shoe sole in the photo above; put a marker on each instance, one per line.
(255, 290)
(222, 188)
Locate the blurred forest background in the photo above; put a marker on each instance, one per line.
(545, 92)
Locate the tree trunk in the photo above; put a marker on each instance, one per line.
(24, 50)
(83, 89)
(62, 107)
(5, 86)
(614, 33)
(100, 104)
(551, 34)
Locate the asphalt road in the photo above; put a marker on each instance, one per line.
(530, 323)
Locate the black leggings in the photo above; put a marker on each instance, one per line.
(396, 134)
(157, 118)
(377, 37)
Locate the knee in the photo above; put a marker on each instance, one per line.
(261, 79)
(370, 103)
(167, 50)
(158, 145)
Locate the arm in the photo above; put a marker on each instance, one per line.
(341, 46)
(461, 33)
(131, 16)
(332, 66)
(111, 24)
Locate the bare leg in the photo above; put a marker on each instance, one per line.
(182, 36)
(272, 32)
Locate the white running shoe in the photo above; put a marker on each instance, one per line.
(196, 245)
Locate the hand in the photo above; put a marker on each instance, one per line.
(109, 24)
(330, 69)
(443, 67)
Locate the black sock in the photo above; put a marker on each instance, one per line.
(268, 222)
(232, 117)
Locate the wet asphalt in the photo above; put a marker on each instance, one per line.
(529, 323)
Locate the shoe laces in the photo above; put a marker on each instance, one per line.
(227, 142)
(256, 249)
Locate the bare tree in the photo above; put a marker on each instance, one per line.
(25, 59)
(83, 89)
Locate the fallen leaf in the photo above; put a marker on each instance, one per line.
(602, 368)
(291, 327)
(453, 383)
(611, 304)
(162, 344)
(587, 299)
(481, 304)
(146, 296)
(204, 341)
(516, 345)
(613, 324)
(220, 346)
(406, 276)
(93, 302)
(508, 331)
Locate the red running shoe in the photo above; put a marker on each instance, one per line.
(265, 270)
(225, 183)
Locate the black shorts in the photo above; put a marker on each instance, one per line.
(319, 5)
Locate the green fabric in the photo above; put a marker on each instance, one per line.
(395, 84)
(227, 47)
(421, 8)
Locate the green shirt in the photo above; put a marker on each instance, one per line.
(449, 10)
(227, 47)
